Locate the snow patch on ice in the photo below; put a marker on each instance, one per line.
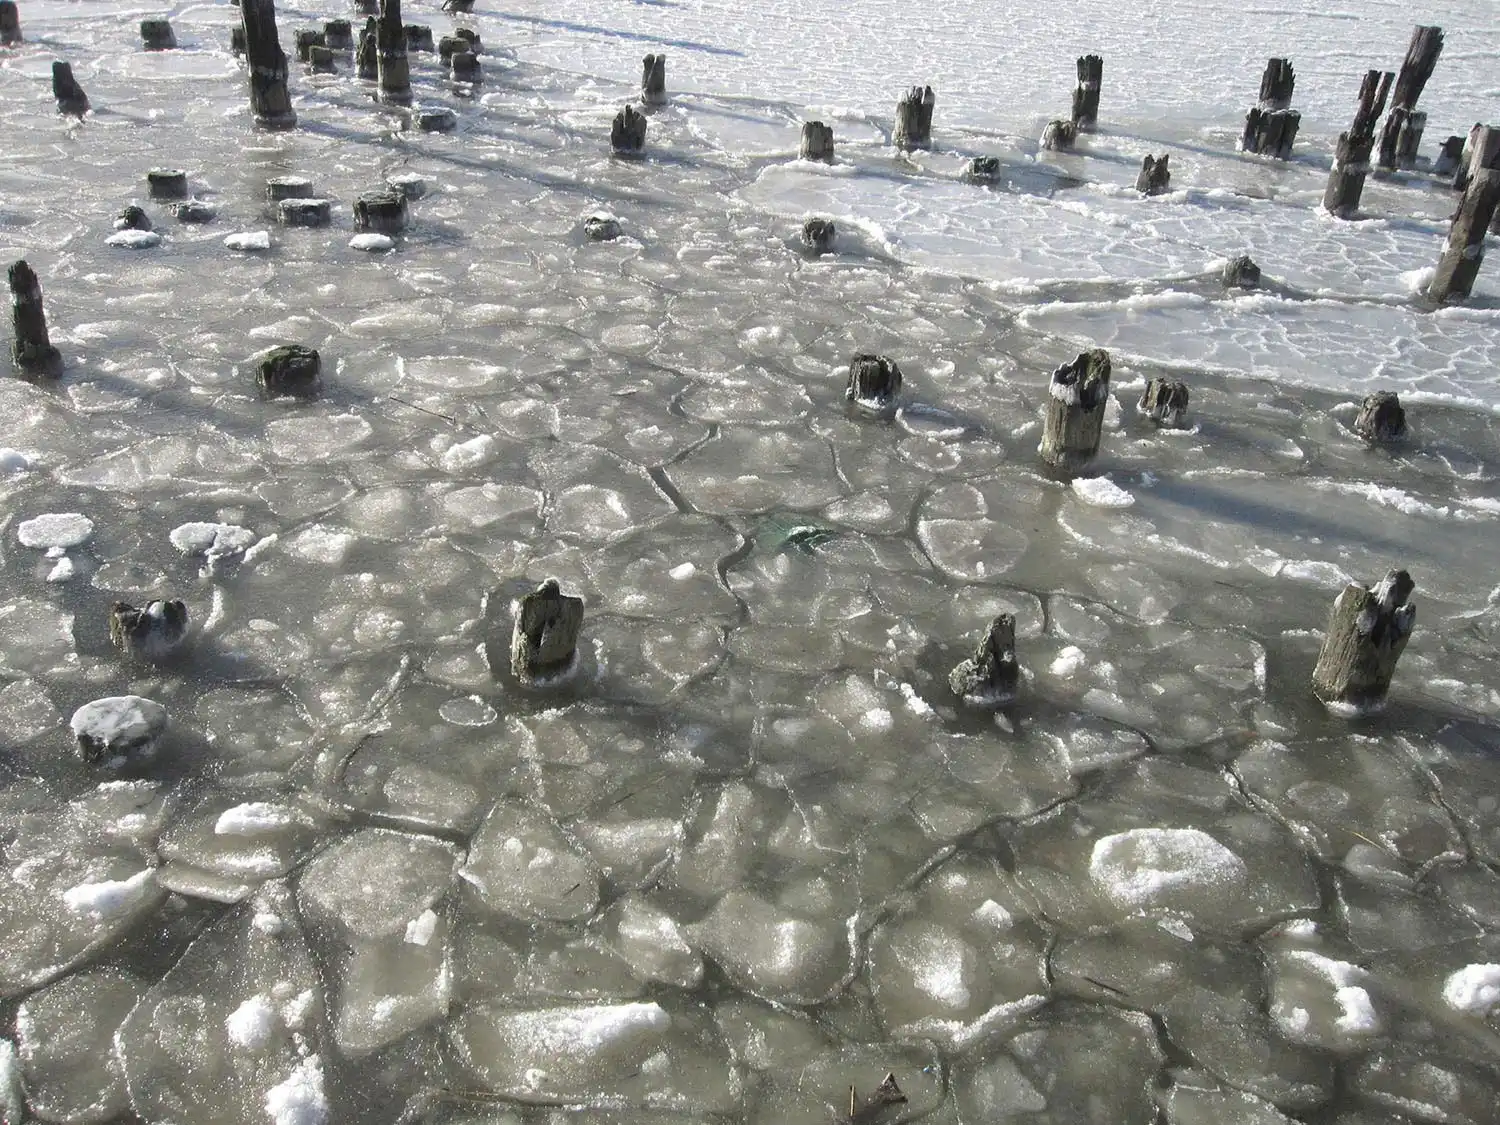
(249, 240)
(1474, 988)
(55, 529)
(420, 929)
(299, 1100)
(255, 818)
(252, 1024)
(1143, 868)
(372, 242)
(134, 239)
(1068, 661)
(1102, 492)
(111, 897)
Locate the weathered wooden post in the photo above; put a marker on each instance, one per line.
(1059, 135)
(1381, 417)
(156, 35)
(32, 351)
(1366, 632)
(366, 53)
(874, 383)
(818, 235)
(290, 370)
(237, 40)
(306, 39)
(627, 135)
(1464, 250)
(914, 119)
(1403, 128)
(1165, 402)
(304, 212)
(132, 217)
(65, 88)
(817, 142)
(1271, 126)
(1155, 177)
(1076, 399)
(1449, 154)
(383, 210)
(390, 54)
(989, 677)
(544, 642)
(418, 37)
(1240, 272)
(151, 633)
(1086, 93)
(320, 60)
(167, 183)
(269, 100)
(1351, 161)
(463, 66)
(338, 35)
(10, 23)
(654, 80)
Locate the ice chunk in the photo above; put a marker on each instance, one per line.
(470, 454)
(372, 242)
(1101, 492)
(212, 540)
(522, 865)
(12, 1094)
(1153, 869)
(248, 240)
(648, 940)
(253, 1023)
(112, 897)
(55, 530)
(1474, 988)
(374, 882)
(774, 952)
(65, 1033)
(1320, 1001)
(256, 818)
(134, 239)
(118, 726)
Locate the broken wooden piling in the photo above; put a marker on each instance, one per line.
(914, 119)
(1155, 177)
(463, 66)
(1059, 135)
(874, 383)
(303, 211)
(390, 54)
(132, 217)
(1381, 418)
(290, 370)
(983, 170)
(305, 39)
(818, 235)
(1076, 399)
(167, 183)
(320, 60)
(10, 23)
(1086, 93)
(157, 35)
(654, 80)
(1271, 125)
(237, 40)
(32, 351)
(1449, 154)
(1240, 272)
(288, 187)
(366, 59)
(1403, 128)
(1351, 161)
(990, 677)
(150, 633)
(71, 99)
(817, 142)
(418, 37)
(1367, 630)
(544, 641)
(1165, 402)
(627, 135)
(1477, 210)
(269, 101)
(338, 35)
(383, 210)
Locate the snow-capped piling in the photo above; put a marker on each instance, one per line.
(289, 370)
(463, 66)
(1403, 128)
(1076, 398)
(654, 80)
(1240, 272)
(193, 211)
(1059, 135)
(982, 170)
(1464, 251)
(914, 119)
(65, 88)
(10, 23)
(383, 210)
(435, 119)
(989, 678)
(1381, 417)
(1351, 161)
(1086, 93)
(1367, 630)
(306, 39)
(151, 633)
(157, 35)
(601, 227)
(118, 726)
(627, 135)
(1165, 402)
(365, 53)
(544, 641)
(1156, 176)
(269, 101)
(868, 1110)
(818, 235)
(167, 183)
(304, 212)
(817, 142)
(419, 37)
(32, 352)
(450, 45)
(288, 187)
(874, 382)
(338, 35)
(390, 54)
(1271, 125)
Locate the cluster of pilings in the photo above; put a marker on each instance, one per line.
(1060, 135)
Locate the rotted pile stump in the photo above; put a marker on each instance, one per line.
(817, 142)
(1086, 93)
(10, 23)
(1240, 272)
(288, 371)
(71, 100)
(157, 35)
(418, 37)
(654, 80)
(167, 183)
(544, 641)
(366, 53)
(818, 235)
(270, 103)
(1478, 211)
(1271, 126)
(150, 633)
(914, 119)
(1402, 135)
(1381, 418)
(1367, 631)
(627, 135)
(463, 66)
(874, 383)
(1165, 402)
(382, 210)
(983, 170)
(390, 54)
(990, 677)
(306, 39)
(1059, 136)
(1351, 161)
(1450, 152)
(1076, 399)
(338, 35)
(1155, 177)
(32, 350)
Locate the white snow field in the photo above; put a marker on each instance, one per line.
(328, 861)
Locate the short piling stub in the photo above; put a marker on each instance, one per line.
(383, 210)
(816, 142)
(1155, 177)
(10, 23)
(874, 383)
(132, 217)
(167, 183)
(306, 39)
(71, 99)
(990, 677)
(366, 59)
(270, 103)
(1240, 272)
(818, 235)
(1059, 135)
(983, 170)
(32, 352)
(237, 39)
(288, 371)
(1367, 630)
(1165, 402)
(320, 59)
(1381, 418)
(601, 227)
(654, 80)
(1449, 154)
(463, 66)
(544, 641)
(627, 135)
(1086, 93)
(1076, 399)
(157, 35)
(418, 37)
(152, 632)
(1351, 161)
(914, 119)
(338, 35)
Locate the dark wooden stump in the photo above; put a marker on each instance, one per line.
(450, 45)
(237, 39)
(167, 183)
(1241, 273)
(544, 641)
(601, 228)
(1059, 135)
(10, 23)
(1271, 132)
(1459, 266)
(366, 52)
(914, 119)
(436, 119)
(818, 235)
(1277, 84)
(874, 383)
(1086, 93)
(304, 212)
(1481, 151)
(1165, 402)
(654, 80)
(288, 371)
(320, 60)
(338, 35)
(1351, 161)
(990, 677)
(1366, 632)
(151, 633)
(627, 136)
(1409, 126)
(463, 66)
(1155, 177)
(288, 187)
(1381, 418)
(269, 101)
(193, 211)
(132, 218)
(408, 185)
(382, 210)
(306, 39)
(471, 37)
(390, 54)
(1076, 399)
(1449, 154)
(983, 170)
(817, 142)
(71, 99)
(32, 351)
(1421, 58)
(156, 35)
(419, 37)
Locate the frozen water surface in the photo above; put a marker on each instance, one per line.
(754, 851)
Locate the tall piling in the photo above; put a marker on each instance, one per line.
(1086, 93)
(1351, 161)
(390, 54)
(32, 352)
(1403, 128)
(1478, 210)
(269, 100)
(1271, 125)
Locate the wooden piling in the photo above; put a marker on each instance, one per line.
(150, 633)
(338, 35)
(818, 235)
(301, 211)
(132, 217)
(983, 170)
(1086, 93)
(157, 35)
(1076, 399)
(1156, 176)
(1367, 630)
(383, 210)
(914, 119)
(1421, 58)
(10, 23)
(390, 54)
(366, 60)
(288, 187)
(817, 142)
(990, 677)
(874, 383)
(290, 370)
(1449, 154)
(320, 59)
(305, 39)
(71, 99)
(463, 66)
(418, 37)
(1482, 150)
(1271, 125)
(1165, 402)
(654, 80)
(544, 641)
(601, 227)
(1351, 162)
(237, 40)
(1240, 272)
(1381, 418)
(435, 119)
(167, 183)
(1059, 135)
(627, 135)
(32, 351)
(1464, 250)
(269, 101)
